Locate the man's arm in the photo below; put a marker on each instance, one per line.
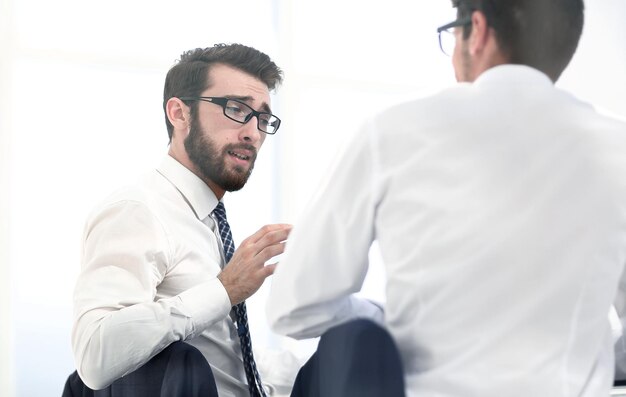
(117, 324)
(326, 258)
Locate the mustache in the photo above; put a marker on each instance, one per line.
(243, 146)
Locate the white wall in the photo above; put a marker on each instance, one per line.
(597, 73)
(6, 331)
(80, 114)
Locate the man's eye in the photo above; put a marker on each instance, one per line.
(234, 109)
(264, 120)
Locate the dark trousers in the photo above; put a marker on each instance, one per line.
(358, 358)
(180, 370)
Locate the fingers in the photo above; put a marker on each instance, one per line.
(269, 230)
(246, 270)
(268, 270)
(267, 242)
(271, 251)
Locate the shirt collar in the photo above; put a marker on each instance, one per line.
(199, 196)
(513, 74)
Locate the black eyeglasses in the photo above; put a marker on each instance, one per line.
(241, 113)
(447, 40)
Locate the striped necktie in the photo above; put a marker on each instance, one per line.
(241, 316)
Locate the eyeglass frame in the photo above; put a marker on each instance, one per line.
(444, 28)
(222, 101)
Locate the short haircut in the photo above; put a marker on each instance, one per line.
(189, 77)
(542, 34)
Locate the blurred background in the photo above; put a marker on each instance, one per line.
(80, 115)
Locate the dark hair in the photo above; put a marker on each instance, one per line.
(542, 34)
(190, 75)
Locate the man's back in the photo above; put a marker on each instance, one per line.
(500, 212)
(501, 228)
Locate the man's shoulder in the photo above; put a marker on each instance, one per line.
(422, 109)
(142, 189)
(146, 191)
(616, 120)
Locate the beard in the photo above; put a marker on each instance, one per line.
(211, 162)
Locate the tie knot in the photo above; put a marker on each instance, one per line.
(220, 212)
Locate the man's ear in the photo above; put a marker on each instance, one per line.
(480, 33)
(178, 114)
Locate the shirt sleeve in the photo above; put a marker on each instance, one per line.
(326, 258)
(118, 325)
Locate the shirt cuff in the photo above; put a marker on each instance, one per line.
(206, 304)
(366, 308)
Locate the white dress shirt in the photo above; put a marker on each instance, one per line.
(500, 211)
(150, 261)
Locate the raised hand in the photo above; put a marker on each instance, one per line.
(246, 271)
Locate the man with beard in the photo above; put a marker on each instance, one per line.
(158, 261)
(499, 208)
